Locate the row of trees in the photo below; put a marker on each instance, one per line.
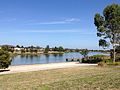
(59, 49)
(31, 49)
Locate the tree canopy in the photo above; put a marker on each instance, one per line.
(108, 26)
(84, 52)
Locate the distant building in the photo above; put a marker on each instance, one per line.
(17, 49)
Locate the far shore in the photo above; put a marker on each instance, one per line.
(33, 53)
(37, 67)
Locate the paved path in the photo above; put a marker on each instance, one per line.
(37, 67)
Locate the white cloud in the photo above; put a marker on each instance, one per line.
(49, 31)
(65, 21)
(72, 20)
(52, 31)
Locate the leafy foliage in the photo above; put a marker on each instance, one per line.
(118, 49)
(84, 52)
(96, 59)
(103, 43)
(59, 49)
(4, 59)
(108, 25)
(7, 48)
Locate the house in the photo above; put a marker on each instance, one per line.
(17, 49)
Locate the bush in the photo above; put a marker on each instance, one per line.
(96, 59)
(4, 59)
(91, 60)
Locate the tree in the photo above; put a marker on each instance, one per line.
(7, 48)
(84, 53)
(22, 46)
(60, 49)
(31, 49)
(47, 49)
(55, 49)
(4, 59)
(17, 46)
(108, 27)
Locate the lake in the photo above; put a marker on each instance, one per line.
(48, 58)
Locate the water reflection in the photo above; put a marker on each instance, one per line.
(22, 56)
(46, 58)
(26, 56)
(60, 55)
(55, 55)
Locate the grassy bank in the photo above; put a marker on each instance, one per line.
(78, 78)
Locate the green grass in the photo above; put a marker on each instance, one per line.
(78, 78)
(115, 63)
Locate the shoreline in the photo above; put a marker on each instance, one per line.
(38, 67)
(36, 54)
(33, 53)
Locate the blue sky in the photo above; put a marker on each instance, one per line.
(69, 23)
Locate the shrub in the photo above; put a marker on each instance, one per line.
(4, 59)
(91, 60)
(96, 59)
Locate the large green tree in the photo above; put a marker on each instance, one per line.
(4, 59)
(108, 27)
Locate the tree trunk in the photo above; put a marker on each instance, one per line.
(114, 53)
(114, 48)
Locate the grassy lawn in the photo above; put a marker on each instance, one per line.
(77, 78)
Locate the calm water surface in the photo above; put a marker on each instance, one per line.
(49, 58)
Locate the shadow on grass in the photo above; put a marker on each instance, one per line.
(4, 70)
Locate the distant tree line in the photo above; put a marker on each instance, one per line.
(31, 49)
